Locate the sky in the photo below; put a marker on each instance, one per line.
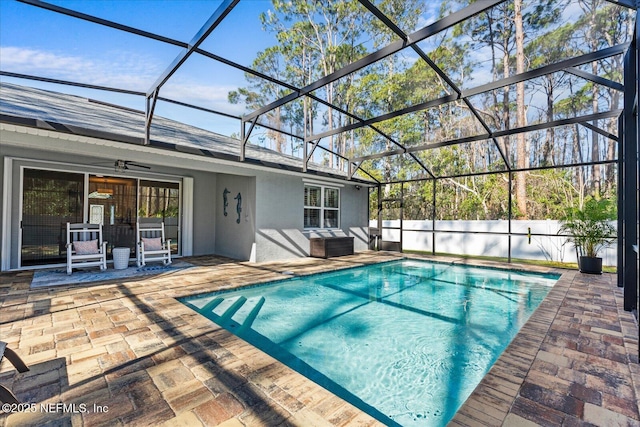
(39, 42)
(43, 43)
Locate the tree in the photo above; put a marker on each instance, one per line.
(322, 37)
(502, 30)
(521, 118)
(261, 91)
(596, 32)
(317, 38)
(550, 47)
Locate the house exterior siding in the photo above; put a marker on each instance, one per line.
(271, 221)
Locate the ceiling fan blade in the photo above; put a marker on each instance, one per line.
(122, 165)
(138, 165)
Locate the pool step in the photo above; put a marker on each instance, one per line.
(240, 310)
(229, 312)
(212, 304)
(248, 321)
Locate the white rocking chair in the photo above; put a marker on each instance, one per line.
(151, 244)
(85, 247)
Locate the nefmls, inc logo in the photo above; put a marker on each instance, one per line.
(72, 408)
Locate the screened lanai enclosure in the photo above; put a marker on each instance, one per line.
(475, 125)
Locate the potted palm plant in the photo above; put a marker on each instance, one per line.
(590, 230)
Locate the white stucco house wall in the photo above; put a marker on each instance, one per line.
(49, 140)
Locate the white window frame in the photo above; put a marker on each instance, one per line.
(322, 208)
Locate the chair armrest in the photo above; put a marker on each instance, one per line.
(12, 357)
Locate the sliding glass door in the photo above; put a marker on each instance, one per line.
(160, 202)
(112, 202)
(50, 199)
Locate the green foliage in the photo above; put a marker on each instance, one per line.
(549, 193)
(316, 38)
(51, 197)
(590, 227)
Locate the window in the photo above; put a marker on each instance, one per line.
(321, 207)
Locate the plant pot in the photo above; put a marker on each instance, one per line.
(590, 265)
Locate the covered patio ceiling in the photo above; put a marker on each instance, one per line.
(357, 137)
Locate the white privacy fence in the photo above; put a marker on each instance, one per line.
(488, 238)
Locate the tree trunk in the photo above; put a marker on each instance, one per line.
(577, 154)
(547, 151)
(330, 122)
(610, 170)
(279, 137)
(595, 149)
(522, 160)
(505, 95)
(494, 68)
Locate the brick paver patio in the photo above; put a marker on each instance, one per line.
(128, 353)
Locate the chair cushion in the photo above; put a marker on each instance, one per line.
(86, 247)
(152, 244)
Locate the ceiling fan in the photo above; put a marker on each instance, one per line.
(123, 165)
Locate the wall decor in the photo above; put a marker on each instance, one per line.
(239, 206)
(224, 198)
(96, 214)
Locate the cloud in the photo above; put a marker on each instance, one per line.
(121, 70)
(117, 69)
(429, 14)
(31, 59)
(207, 96)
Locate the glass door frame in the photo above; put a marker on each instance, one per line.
(79, 169)
(44, 256)
(116, 198)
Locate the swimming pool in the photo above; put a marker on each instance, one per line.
(405, 341)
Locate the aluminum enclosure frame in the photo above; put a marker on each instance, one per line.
(627, 138)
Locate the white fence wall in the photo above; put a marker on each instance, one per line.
(459, 237)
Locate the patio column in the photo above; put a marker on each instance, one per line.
(629, 189)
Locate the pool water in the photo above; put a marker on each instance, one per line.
(405, 341)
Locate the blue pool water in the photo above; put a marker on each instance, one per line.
(406, 341)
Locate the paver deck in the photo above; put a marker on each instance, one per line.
(128, 353)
